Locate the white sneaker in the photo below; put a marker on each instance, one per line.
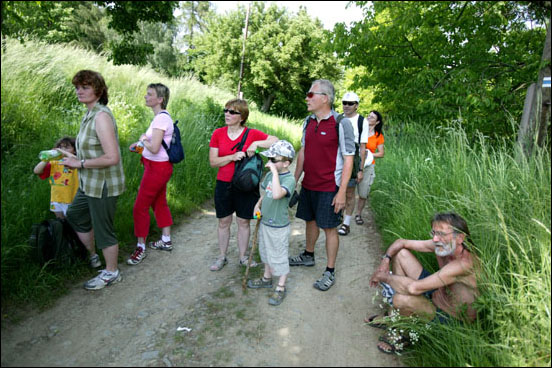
(105, 278)
(137, 257)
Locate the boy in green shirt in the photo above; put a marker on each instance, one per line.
(275, 228)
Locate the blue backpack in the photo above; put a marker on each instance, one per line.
(175, 150)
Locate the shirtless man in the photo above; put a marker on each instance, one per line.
(413, 290)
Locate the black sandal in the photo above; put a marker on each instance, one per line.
(359, 220)
(344, 229)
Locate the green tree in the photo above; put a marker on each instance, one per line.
(85, 23)
(284, 54)
(439, 61)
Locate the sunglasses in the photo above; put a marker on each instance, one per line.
(349, 103)
(231, 112)
(311, 94)
(274, 160)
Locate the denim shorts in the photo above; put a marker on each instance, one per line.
(314, 205)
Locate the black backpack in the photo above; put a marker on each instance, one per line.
(54, 241)
(175, 150)
(248, 171)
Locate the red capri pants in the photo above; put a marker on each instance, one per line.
(152, 193)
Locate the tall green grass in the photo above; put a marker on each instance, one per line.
(505, 198)
(39, 106)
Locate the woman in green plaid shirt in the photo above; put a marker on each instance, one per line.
(101, 178)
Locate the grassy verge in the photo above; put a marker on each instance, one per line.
(39, 106)
(505, 199)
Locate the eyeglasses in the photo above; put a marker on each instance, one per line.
(274, 160)
(439, 234)
(231, 112)
(311, 94)
(349, 103)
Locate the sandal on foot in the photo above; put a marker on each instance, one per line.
(396, 342)
(245, 259)
(359, 220)
(218, 264)
(390, 350)
(344, 229)
(372, 321)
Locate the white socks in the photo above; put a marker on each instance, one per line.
(347, 220)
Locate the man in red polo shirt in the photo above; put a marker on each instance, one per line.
(326, 159)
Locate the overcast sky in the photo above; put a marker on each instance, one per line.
(329, 12)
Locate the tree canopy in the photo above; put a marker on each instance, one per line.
(467, 61)
(284, 54)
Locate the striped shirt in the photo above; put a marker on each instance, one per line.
(88, 146)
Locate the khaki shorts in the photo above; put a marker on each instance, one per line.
(367, 181)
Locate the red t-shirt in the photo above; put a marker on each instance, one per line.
(220, 140)
(320, 155)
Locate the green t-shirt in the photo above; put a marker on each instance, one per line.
(275, 212)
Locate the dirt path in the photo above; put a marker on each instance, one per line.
(136, 322)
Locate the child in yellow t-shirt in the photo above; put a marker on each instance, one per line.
(64, 181)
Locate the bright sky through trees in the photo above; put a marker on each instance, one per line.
(329, 12)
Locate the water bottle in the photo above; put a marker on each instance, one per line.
(139, 148)
(50, 155)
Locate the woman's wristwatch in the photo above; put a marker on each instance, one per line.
(82, 163)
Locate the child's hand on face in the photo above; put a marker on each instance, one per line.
(270, 165)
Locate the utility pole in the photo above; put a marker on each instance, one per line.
(240, 93)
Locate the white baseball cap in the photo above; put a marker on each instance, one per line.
(350, 96)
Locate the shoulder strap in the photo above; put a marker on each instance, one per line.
(241, 143)
(360, 126)
(337, 122)
(163, 140)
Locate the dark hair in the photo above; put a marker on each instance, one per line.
(94, 80)
(65, 141)
(379, 127)
(162, 91)
(240, 106)
(458, 224)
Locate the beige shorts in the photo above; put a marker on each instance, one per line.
(367, 181)
(273, 248)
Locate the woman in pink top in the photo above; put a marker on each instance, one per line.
(223, 154)
(157, 172)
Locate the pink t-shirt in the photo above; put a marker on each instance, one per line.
(164, 122)
(220, 140)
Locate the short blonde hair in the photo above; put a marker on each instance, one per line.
(240, 106)
(162, 91)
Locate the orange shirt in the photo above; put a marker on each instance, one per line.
(373, 142)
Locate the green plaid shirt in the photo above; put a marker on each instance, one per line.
(88, 146)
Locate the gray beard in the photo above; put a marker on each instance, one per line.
(444, 250)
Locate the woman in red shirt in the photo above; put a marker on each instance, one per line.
(223, 154)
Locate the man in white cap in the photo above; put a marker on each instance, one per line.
(350, 103)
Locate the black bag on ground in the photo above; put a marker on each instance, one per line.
(54, 240)
(248, 171)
